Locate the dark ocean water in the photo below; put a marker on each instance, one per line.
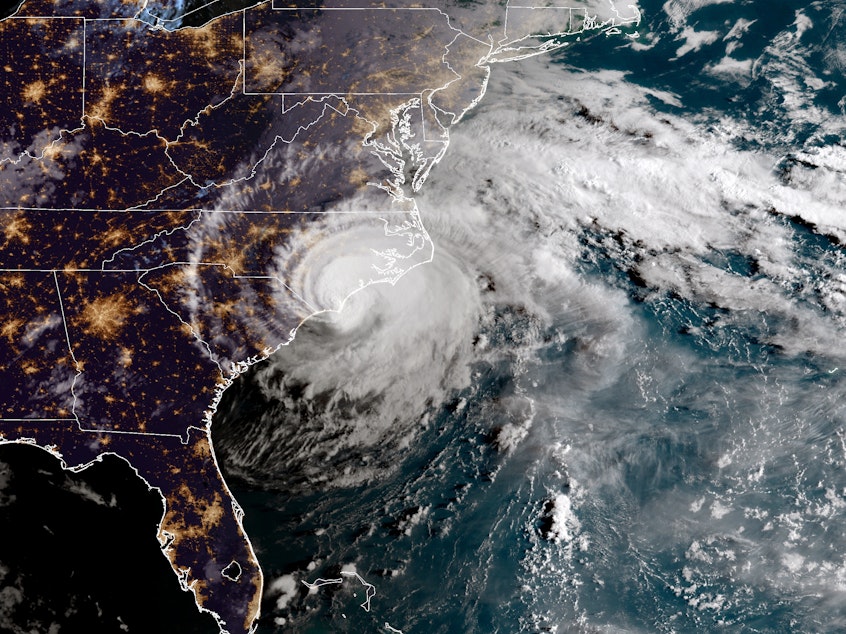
(79, 551)
(459, 538)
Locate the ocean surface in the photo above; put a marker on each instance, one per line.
(613, 402)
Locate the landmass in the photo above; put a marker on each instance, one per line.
(175, 192)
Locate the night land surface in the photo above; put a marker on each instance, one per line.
(154, 169)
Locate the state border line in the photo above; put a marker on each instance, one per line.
(375, 212)
(80, 428)
(65, 324)
(338, 93)
(43, 17)
(321, 9)
(77, 270)
(84, 67)
(37, 420)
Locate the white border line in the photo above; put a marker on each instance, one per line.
(205, 211)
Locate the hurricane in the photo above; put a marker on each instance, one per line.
(612, 400)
